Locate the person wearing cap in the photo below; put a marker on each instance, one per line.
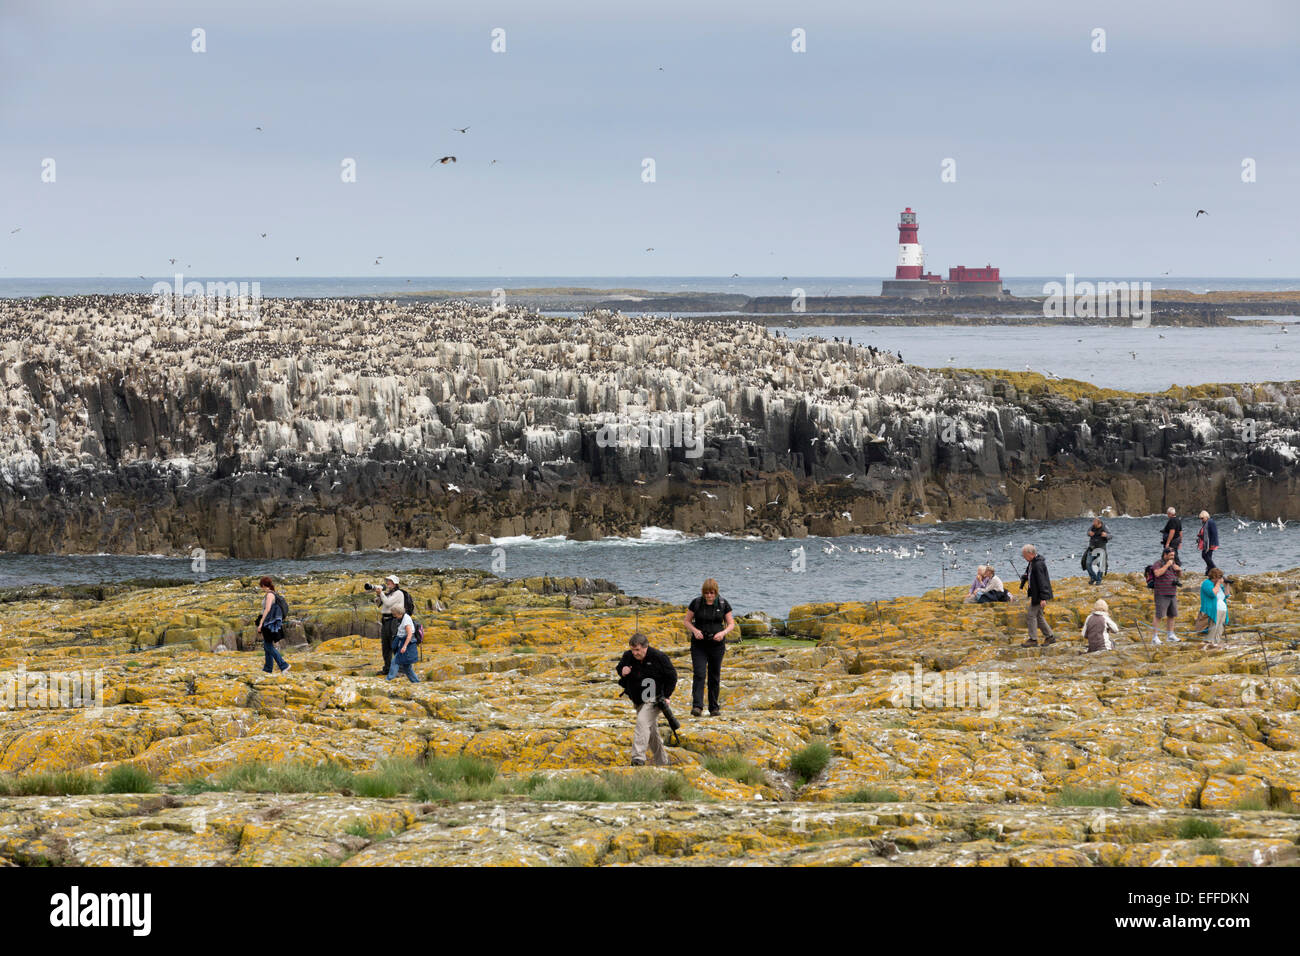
(1097, 627)
(1207, 540)
(1171, 535)
(392, 607)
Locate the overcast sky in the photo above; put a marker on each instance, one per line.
(767, 161)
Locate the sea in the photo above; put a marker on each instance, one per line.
(331, 287)
(754, 575)
(773, 576)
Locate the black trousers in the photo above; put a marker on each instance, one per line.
(706, 659)
(1209, 560)
(387, 631)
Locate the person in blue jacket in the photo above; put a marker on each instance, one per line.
(1207, 540)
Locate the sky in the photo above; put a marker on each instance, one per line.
(767, 161)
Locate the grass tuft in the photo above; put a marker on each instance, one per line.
(869, 795)
(1196, 828)
(810, 761)
(127, 779)
(736, 767)
(1085, 797)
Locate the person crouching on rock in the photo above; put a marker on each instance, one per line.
(392, 608)
(1040, 592)
(270, 626)
(1096, 628)
(405, 652)
(708, 620)
(646, 676)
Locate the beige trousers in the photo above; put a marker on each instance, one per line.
(646, 735)
(1216, 629)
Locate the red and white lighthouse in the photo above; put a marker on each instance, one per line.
(911, 261)
(911, 281)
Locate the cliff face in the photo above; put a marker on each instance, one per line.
(325, 425)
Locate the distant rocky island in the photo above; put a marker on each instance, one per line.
(317, 426)
(1172, 307)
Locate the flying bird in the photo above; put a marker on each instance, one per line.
(263, 235)
(460, 130)
(258, 128)
(649, 248)
(1199, 213)
(172, 261)
(451, 487)
(12, 231)
(444, 161)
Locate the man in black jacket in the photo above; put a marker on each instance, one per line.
(646, 674)
(1040, 592)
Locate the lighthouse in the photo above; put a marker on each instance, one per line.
(911, 281)
(911, 261)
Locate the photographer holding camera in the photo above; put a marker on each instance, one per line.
(648, 678)
(392, 608)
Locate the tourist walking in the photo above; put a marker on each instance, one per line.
(270, 626)
(1164, 577)
(1214, 604)
(1207, 540)
(708, 621)
(1095, 560)
(1040, 592)
(1098, 627)
(647, 676)
(405, 651)
(1171, 535)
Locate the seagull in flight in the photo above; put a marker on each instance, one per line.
(1200, 213)
(443, 161)
(451, 487)
(460, 130)
(12, 231)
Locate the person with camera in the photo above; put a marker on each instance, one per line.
(392, 608)
(648, 678)
(270, 625)
(708, 620)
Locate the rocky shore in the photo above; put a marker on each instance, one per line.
(315, 426)
(1174, 754)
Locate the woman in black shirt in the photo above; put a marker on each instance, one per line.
(708, 620)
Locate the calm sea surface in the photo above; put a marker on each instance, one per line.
(753, 575)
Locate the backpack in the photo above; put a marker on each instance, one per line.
(419, 632)
(1150, 574)
(409, 602)
(283, 604)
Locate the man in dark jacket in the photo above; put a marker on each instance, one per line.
(1207, 540)
(646, 674)
(1040, 592)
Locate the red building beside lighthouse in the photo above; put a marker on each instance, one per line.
(911, 281)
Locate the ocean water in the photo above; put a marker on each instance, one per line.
(753, 575)
(1134, 360)
(362, 286)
